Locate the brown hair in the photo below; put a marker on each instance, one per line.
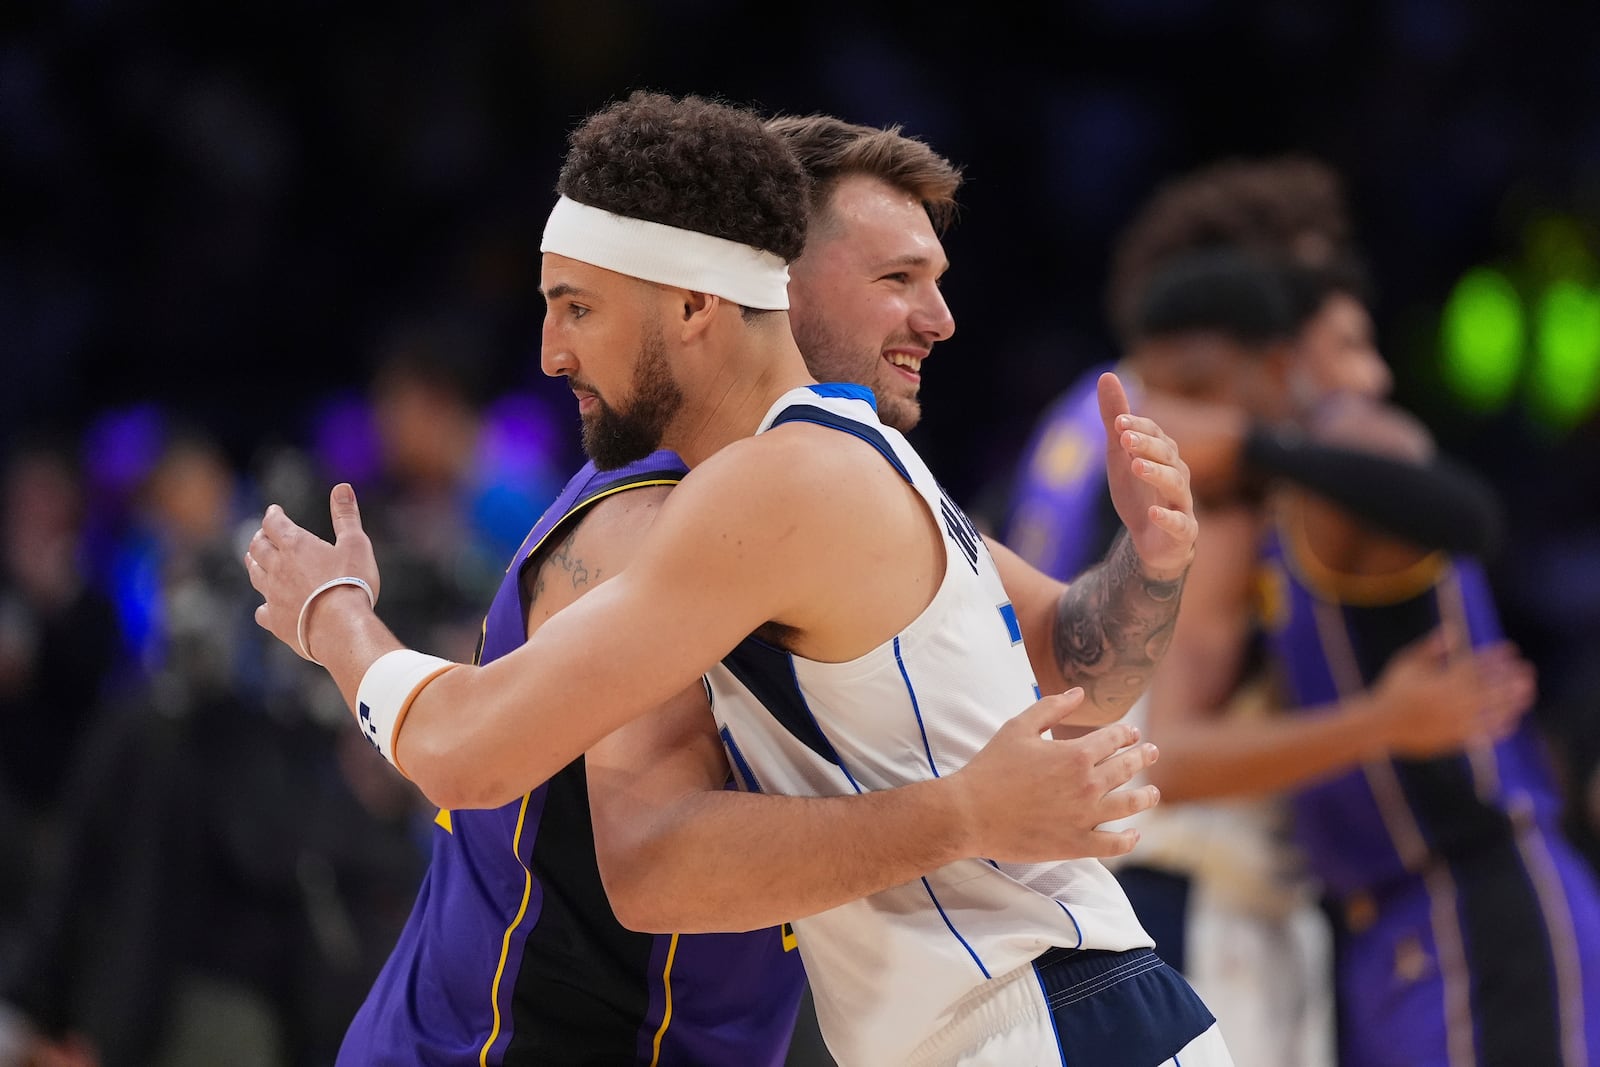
(693, 163)
(830, 149)
(1288, 208)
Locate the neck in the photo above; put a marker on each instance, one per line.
(734, 393)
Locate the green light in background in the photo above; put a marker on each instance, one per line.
(1566, 372)
(1482, 338)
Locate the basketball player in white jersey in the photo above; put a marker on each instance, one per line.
(825, 535)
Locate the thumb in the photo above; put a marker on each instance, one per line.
(346, 514)
(1113, 402)
(1048, 711)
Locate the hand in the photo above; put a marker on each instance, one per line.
(1435, 697)
(1032, 799)
(1149, 486)
(286, 563)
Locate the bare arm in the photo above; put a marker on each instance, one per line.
(679, 853)
(1107, 631)
(1427, 701)
(1208, 753)
(481, 736)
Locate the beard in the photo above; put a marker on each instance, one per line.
(830, 357)
(615, 437)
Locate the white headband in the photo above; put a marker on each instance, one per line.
(668, 255)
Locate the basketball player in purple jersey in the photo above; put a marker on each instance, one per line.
(513, 953)
(1469, 929)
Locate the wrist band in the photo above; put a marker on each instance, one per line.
(305, 609)
(386, 692)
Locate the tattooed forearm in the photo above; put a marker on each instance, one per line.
(1113, 626)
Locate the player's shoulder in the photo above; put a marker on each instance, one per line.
(607, 529)
(795, 453)
(793, 478)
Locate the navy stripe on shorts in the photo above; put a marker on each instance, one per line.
(1119, 1009)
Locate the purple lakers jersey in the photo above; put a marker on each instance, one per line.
(1469, 928)
(512, 954)
(1061, 515)
(1330, 638)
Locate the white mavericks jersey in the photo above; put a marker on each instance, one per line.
(892, 970)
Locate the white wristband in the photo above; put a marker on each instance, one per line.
(386, 691)
(305, 609)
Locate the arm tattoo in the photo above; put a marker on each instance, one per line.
(561, 557)
(557, 561)
(1113, 625)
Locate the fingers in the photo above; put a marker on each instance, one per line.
(1040, 716)
(1143, 438)
(276, 526)
(261, 550)
(1104, 844)
(345, 512)
(1113, 400)
(1156, 462)
(1180, 524)
(1508, 687)
(1171, 482)
(1100, 745)
(1130, 760)
(1122, 803)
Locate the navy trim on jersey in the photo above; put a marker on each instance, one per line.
(824, 417)
(751, 782)
(769, 675)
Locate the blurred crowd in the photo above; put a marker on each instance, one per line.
(251, 252)
(200, 860)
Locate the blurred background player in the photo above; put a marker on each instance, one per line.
(1448, 813)
(1216, 883)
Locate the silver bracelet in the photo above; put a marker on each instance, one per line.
(305, 609)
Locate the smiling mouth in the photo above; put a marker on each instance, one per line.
(905, 361)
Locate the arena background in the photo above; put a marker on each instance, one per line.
(220, 217)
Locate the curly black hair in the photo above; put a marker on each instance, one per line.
(693, 163)
(1289, 208)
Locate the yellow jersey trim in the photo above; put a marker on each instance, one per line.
(666, 1015)
(505, 942)
(443, 818)
(1356, 590)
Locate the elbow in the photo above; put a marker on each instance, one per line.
(649, 897)
(637, 913)
(449, 777)
(640, 904)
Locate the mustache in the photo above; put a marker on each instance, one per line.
(909, 340)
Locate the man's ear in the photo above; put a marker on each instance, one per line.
(699, 310)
